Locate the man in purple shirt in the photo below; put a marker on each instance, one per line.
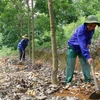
(22, 46)
(78, 45)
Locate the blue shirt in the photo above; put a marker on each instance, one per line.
(80, 39)
(23, 44)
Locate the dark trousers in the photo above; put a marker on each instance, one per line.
(71, 61)
(22, 55)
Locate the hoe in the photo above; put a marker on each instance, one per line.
(96, 93)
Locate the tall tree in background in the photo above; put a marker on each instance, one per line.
(33, 47)
(14, 15)
(11, 21)
(18, 5)
(27, 1)
(54, 48)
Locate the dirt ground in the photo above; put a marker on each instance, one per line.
(80, 95)
(63, 93)
(67, 93)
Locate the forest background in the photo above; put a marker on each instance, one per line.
(16, 20)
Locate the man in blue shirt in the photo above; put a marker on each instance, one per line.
(22, 46)
(78, 45)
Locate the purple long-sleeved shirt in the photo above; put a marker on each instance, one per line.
(80, 39)
(23, 44)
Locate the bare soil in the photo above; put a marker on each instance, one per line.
(4, 64)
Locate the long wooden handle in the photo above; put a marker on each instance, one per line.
(95, 81)
(22, 56)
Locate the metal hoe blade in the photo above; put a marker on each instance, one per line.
(96, 94)
(20, 63)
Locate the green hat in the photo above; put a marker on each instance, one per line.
(92, 19)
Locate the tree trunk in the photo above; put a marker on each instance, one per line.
(29, 28)
(21, 27)
(33, 47)
(54, 48)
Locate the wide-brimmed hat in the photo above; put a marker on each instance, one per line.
(92, 19)
(25, 37)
